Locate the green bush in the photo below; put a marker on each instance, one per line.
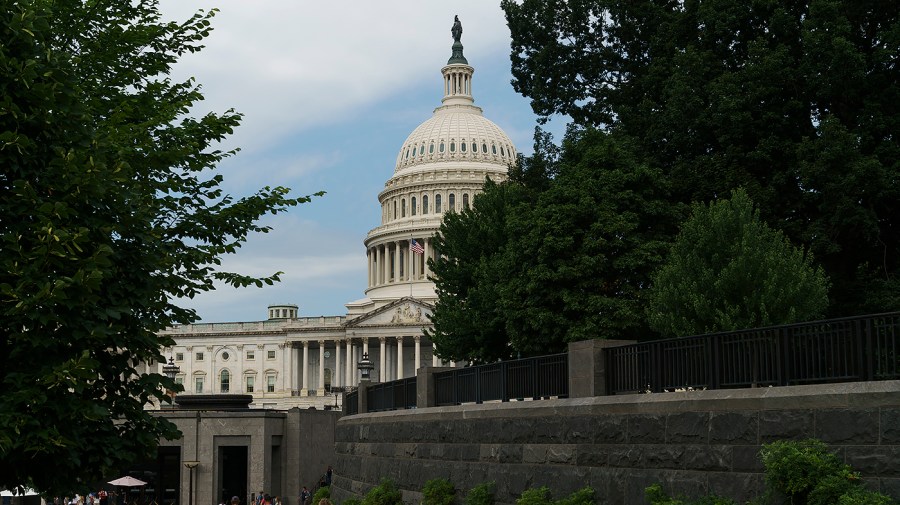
(352, 501)
(322, 492)
(385, 493)
(539, 496)
(860, 496)
(482, 494)
(795, 468)
(656, 496)
(584, 496)
(438, 492)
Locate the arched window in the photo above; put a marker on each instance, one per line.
(403, 208)
(462, 146)
(395, 209)
(452, 146)
(484, 148)
(424, 204)
(421, 149)
(442, 147)
(501, 151)
(474, 147)
(431, 148)
(412, 206)
(494, 148)
(465, 200)
(451, 203)
(224, 381)
(437, 203)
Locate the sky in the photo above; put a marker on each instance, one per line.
(329, 92)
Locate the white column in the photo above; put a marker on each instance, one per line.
(348, 375)
(409, 260)
(397, 277)
(369, 265)
(321, 389)
(261, 363)
(417, 339)
(304, 380)
(427, 246)
(295, 368)
(338, 373)
(240, 380)
(288, 359)
(386, 265)
(382, 371)
(434, 358)
(400, 357)
(365, 345)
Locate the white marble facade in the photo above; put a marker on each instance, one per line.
(289, 360)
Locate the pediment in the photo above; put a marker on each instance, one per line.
(406, 311)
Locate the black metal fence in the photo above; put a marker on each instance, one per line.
(860, 348)
(532, 378)
(395, 395)
(351, 403)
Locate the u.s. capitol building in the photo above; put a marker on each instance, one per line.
(288, 360)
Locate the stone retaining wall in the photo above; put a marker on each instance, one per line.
(694, 443)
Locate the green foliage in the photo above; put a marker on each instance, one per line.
(795, 101)
(584, 496)
(728, 270)
(324, 492)
(806, 472)
(438, 492)
(537, 264)
(481, 494)
(656, 496)
(352, 501)
(535, 496)
(109, 213)
(385, 493)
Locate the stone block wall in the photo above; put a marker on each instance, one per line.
(693, 443)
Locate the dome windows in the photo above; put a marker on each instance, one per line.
(403, 208)
(442, 146)
(462, 146)
(494, 149)
(412, 206)
(451, 202)
(421, 149)
(437, 203)
(465, 200)
(424, 204)
(501, 151)
(474, 147)
(431, 148)
(452, 146)
(484, 147)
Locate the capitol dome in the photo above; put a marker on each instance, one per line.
(440, 168)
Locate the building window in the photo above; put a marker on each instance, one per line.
(179, 380)
(198, 384)
(484, 148)
(431, 148)
(465, 200)
(270, 383)
(462, 146)
(451, 203)
(250, 380)
(421, 149)
(424, 204)
(437, 202)
(395, 209)
(502, 153)
(225, 356)
(199, 357)
(251, 355)
(494, 149)
(179, 356)
(412, 206)
(452, 146)
(270, 355)
(474, 148)
(442, 147)
(224, 381)
(403, 208)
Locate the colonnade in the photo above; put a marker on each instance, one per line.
(389, 361)
(394, 261)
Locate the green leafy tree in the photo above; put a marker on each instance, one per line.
(109, 214)
(541, 260)
(797, 102)
(728, 270)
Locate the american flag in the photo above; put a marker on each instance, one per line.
(416, 247)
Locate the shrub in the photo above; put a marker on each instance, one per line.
(860, 496)
(352, 501)
(322, 492)
(656, 496)
(584, 496)
(385, 493)
(539, 496)
(482, 494)
(795, 468)
(438, 492)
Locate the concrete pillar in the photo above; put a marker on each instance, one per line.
(427, 246)
(349, 362)
(338, 373)
(434, 358)
(425, 392)
(418, 353)
(587, 367)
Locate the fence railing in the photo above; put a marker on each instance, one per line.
(351, 403)
(860, 348)
(394, 395)
(531, 378)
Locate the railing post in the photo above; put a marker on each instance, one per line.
(362, 397)
(588, 368)
(504, 382)
(868, 350)
(784, 357)
(477, 372)
(426, 392)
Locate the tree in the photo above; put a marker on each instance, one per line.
(728, 270)
(109, 214)
(535, 265)
(797, 102)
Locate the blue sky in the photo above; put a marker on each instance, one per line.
(329, 94)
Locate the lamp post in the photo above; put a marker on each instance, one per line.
(190, 465)
(365, 368)
(171, 370)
